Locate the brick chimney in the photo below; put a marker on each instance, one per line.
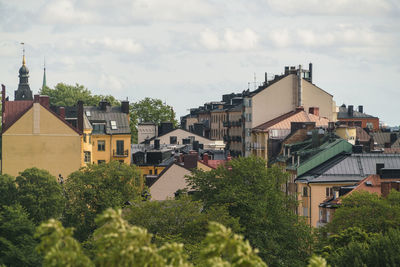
(125, 107)
(350, 110)
(62, 112)
(36, 99)
(205, 158)
(190, 161)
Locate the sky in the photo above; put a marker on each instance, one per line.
(190, 52)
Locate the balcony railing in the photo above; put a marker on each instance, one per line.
(121, 154)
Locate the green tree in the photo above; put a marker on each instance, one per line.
(181, 220)
(93, 189)
(8, 190)
(150, 110)
(68, 95)
(40, 194)
(253, 194)
(116, 243)
(367, 211)
(17, 243)
(58, 247)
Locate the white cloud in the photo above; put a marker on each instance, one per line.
(115, 45)
(65, 12)
(334, 7)
(230, 40)
(110, 83)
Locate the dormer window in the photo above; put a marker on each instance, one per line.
(114, 125)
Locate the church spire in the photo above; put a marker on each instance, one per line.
(24, 91)
(44, 74)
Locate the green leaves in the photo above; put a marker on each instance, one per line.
(94, 188)
(65, 95)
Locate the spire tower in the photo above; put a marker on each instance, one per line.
(44, 74)
(24, 91)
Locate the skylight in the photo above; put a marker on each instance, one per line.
(88, 113)
(114, 125)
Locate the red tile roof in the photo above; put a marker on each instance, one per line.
(13, 110)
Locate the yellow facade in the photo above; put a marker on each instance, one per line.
(150, 170)
(40, 139)
(347, 133)
(107, 152)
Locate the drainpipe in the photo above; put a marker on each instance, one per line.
(299, 79)
(308, 185)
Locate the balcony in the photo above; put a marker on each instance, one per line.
(121, 154)
(226, 124)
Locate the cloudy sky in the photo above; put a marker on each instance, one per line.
(193, 51)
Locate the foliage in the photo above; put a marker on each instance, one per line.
(40, 194)
(150, 110)
(223, 248)
(317, 261)
(68, 95)
(17, 244)
(58, 246)
(367, 211)
(382, 249)
(117, 243)
(8, 190)
(253, 194)
(93, 189)
(180, 220)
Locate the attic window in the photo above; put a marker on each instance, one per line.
(88, 113)
(114, 125)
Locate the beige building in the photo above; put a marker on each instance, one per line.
(177, 137)
(146, 130)
(284, 94)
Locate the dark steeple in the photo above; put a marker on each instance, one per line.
(24, 91)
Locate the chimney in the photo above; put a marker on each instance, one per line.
(286, 70)
(36, 99)
(299, 87)
(350, 110)
(44, 100)
(157, 144)
(310, 70)
(103, 105)
(190, 160)
(361, 109)
(266, 78)
(379, 167)
(3, 100)
(393, 138)
(80, 116)
(125, 107)
(314, 110)
(62, 112)
(205, 158)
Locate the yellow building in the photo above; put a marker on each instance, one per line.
(106, 133)
(34, 136)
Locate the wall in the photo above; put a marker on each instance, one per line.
(315, 97)
(146, 131)
(146, 169)
(217, 128)
(182, 134)
(40, 139)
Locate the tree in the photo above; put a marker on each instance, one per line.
(253, 194)
(150, 110)
(367, 211)
(58, 246)
(68, 95)
(8, 190)
(94, 188)
(17, 243)
(40, 194)
(117, 243)
(181, 220)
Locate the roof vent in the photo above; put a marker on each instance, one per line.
(368, 183)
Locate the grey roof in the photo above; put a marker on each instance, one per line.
(384, 137)
(343, 114)
(349, 168)
(108, 115)
(86, 123)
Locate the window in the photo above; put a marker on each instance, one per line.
(173, 139)
(369, 125)
(114, 125)
(101, 161)
(84, 137)
(88, 113)
(150, 172)
(98, 128)
(155, 171)
(329, 191)
(90, 138)
(305, 192)
(120, 147)
(87, 156)
(101, 145)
